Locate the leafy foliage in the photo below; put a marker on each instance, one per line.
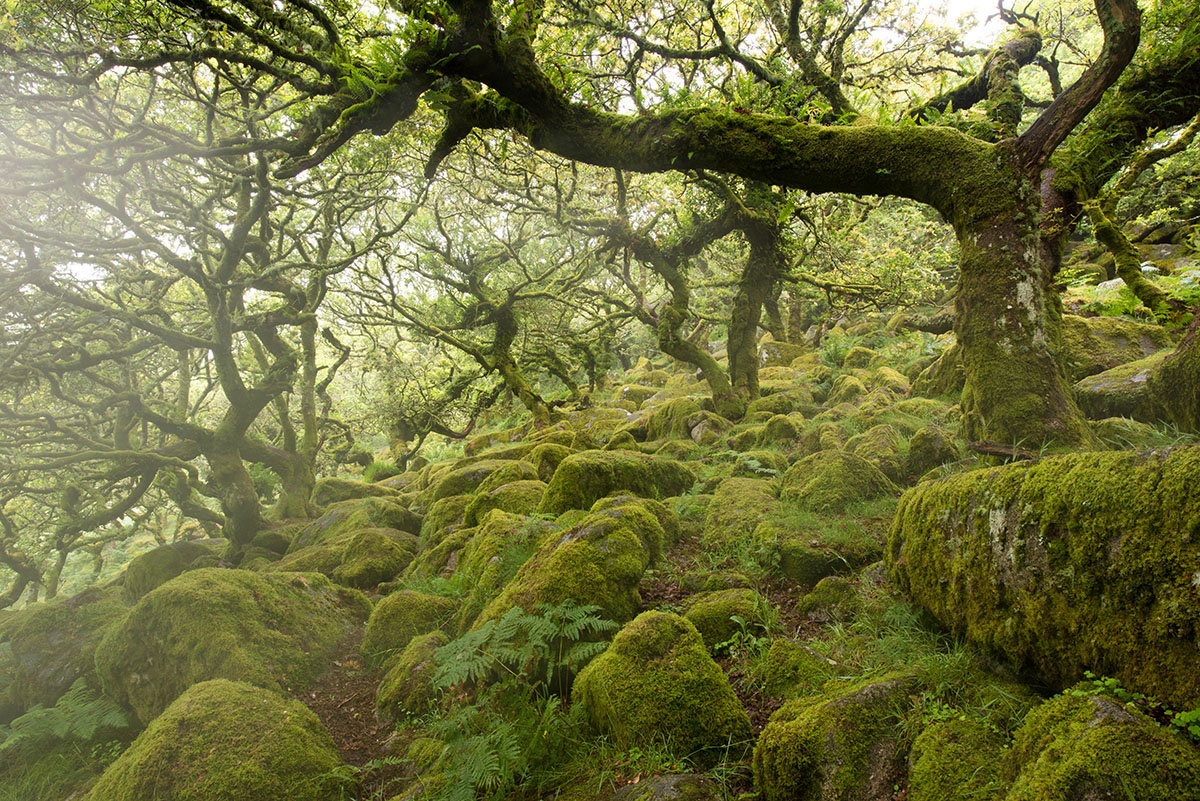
(78, 716)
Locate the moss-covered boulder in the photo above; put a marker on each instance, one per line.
(407, 688)
(1177, 381)
(823, 436)
(671, 420)
(1092, 345)
(547, 457)
(833, 600)
(485, 474)
(1074, 563)
(858, 357)
(842, 745)
(784, 402)
(736, 509)
(1080, 748)
(335, 490)
(493, 556)
(598, 561)
(354, 515)
(792, 669)
(829, 481)
(53, 643)
(713, 614)
(516, 497)
(928, 448)
(1124, 391)
(636, 393)
(656, 683)
(760, 464)
(778, 354)
(956, 760)
(847, 388)
(944, 377)
(399, 617)
(227, 741)
(159, 565)
(274, 630)
(445, 516)
(359, 558)
(373, 556)
(583, 478)
(780, 429)
(880, 445)
(665, 517)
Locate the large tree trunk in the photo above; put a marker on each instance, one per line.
(239, 498)
(1008, 321)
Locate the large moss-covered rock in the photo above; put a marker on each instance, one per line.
(407, 688)
(792, 669)
(736, 509)
(665, 517)
(227, 741)
(1124, 391)
(583, 478)
(829, 481)
(956, 760)
(713, 614)
(946, 376)
(354, 515)
(361, 558)
(335, 490)
(783, 402)
(399, 617)
(880, 445)
(807, 554)
(656, 683)
(842, 745)
(517, 497)
(1094, 344)
(159, 565)
(53, 643)
(1177, 382)
(493, 556)
(671, 420)
(600, 561)
(929, 447)
(1081, 748)
(471, 477)
(275, 630)
(445, 516)
(1078, 562)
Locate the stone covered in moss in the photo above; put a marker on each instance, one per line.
(671, 420)
(227, 741)
(665, 517)
(1082, 748)
(833, 599)
(858, 357)
(772, 353)
(468, 479)
(847, 388)
(737, 507)
(760, 464)
(944, 377)
(407, 688)
(1124, 391)
(52, 644)
(1085, 561)
(829, 481)
(1092, 345)
(956, 760)
(493, 556)
(516, 497)
(656, 683)
(354, 515)
(546, 459)
(929, 447)
(398, 618)
(373, 556)
(441, 560)
(825, 436)
(880, 445)
(159, 565)
(842, 744)
(445, 516)
(792, 670)
(745, 439)
(598, 561)
(621, 441)
(335, 490)
(584, 478)
(712, 614)
(275, 630)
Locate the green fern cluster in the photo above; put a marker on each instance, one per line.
(518, 726)
(78, 716)
(540, 651)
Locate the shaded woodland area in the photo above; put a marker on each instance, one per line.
(759, 399)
